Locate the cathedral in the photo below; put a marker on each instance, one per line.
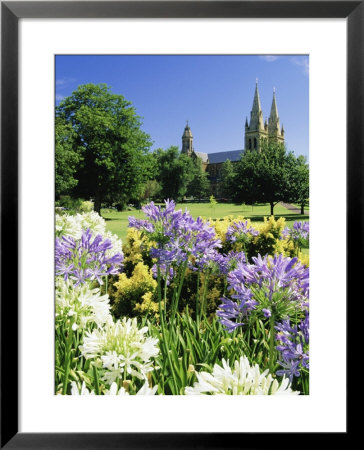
(256, 132)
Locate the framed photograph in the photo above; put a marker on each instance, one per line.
(177, 61)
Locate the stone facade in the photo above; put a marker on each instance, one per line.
(256, 132)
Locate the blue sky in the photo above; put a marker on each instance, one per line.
(213, 92)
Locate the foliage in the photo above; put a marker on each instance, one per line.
(135, 293)
(213, 201)
(227, 183)
(199, 186)
(151, 190)
(270, 241)
(265, 176)
(69, 204)
(112, 148)
(67, 158)
(299, 188)
(175, 172)
(86, 206)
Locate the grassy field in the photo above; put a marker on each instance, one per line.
(117, 222)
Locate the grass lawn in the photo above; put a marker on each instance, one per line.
(117, 222)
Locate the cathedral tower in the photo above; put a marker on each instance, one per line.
(256, 130)
(187, 141)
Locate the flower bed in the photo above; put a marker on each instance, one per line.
(185, 307)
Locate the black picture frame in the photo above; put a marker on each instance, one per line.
(11, 12)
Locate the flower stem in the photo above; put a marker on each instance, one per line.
(96, 379)
(197, 291)
(67, 359)
(271, 343)
(164, 337)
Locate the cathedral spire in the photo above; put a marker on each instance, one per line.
(273, 122)
(256, 114)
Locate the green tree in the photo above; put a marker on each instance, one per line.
(67, 158)
(175, 171)
(199, 186)
(265, 176)
(227, 186)
(109, 138)
(300, 182)
(151, 190)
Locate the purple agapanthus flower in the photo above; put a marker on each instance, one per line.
(178, 236)
(301, 230)
(86, 259)
(275, 285)
(239, 231)
(231, 313)
(293, 347)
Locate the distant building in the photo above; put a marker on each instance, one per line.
(256, 132)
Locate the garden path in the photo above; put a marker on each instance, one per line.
(292, 208)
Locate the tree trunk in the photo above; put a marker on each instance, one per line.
(97, 205)
(302, 208)
(271, 208)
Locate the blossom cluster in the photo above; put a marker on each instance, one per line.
(84, 304)
(85, 258)
(178, 237)
(243, 379)
(299, 231)
(276, 285)
(122, 349)
(239, 230)
(294, 342)
(74, 226)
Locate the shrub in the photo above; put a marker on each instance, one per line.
(136, 249)
(138, 289)
(73, 205)
(269, 240)
(86, 206)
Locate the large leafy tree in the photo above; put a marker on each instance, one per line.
(300, 182)
(199, 185)
(227, 184)
(114, 162)
(265, 176)
(175, 172)
(67, 157)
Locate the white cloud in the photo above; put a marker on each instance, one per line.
(301, 61)
(269, 58)
(59, 97)
(65, 81)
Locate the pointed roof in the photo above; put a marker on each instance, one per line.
(187, 132)
(256, 114)
(274, 109)
(204, 156)
(256, 102)
(273, 122)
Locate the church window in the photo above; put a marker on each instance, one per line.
(255, 143)
(250, 144)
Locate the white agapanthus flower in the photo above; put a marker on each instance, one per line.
(83, 391)
(73, 225)
(123, 349)
(242, 380)
(144, 390)
(68, 226)
(84, 304)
